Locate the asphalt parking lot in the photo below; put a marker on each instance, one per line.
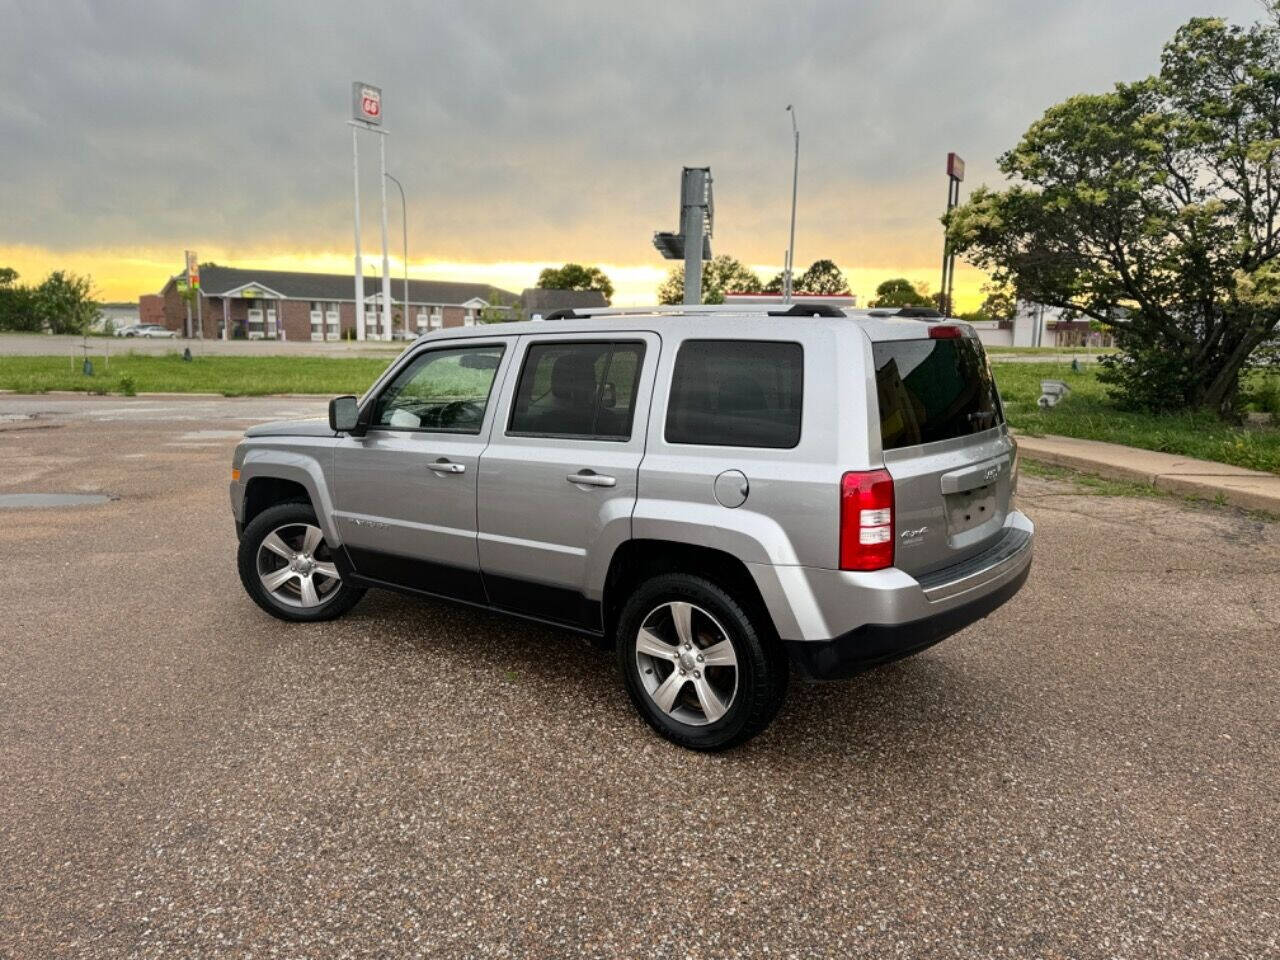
(1094, 771)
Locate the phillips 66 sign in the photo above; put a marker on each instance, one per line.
(366, 102)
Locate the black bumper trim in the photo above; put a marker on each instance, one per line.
(873, 644)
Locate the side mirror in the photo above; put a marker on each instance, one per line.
(344, 414)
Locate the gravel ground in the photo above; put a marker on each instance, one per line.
(1094, 771)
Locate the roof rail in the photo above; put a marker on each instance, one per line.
(809, 310)
(915, 313)
(665, 309)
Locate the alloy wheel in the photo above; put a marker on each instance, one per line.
(296, 567)
(687, 663)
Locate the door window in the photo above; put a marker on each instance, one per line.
(579, 390)
(736, 393)
(441, 391)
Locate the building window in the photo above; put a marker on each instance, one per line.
(317, 320)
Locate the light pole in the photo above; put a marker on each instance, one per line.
(404, 223)
(795, 179)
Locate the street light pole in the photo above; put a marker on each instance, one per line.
(404, 223)
(795, 179)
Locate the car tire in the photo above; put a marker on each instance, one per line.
(690, 716)
(288, 569)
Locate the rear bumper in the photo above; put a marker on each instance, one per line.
(835, 623)
(874, 643)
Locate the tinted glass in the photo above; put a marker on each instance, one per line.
(736, 393)
(932, 390)
(576, 389)
(442, 391)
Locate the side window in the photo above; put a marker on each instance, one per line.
(577, 389)
(736, 393)
(443, 391)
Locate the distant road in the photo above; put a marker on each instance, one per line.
(36, 345)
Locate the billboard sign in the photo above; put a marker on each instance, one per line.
(366, 103)
(193, 271)
(955, 167)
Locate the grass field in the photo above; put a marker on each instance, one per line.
(230, 376)
(1085, 414)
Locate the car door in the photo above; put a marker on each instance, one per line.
(557, 482)
(406, 490)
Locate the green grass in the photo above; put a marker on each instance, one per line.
(1088, 414)
(230, 376)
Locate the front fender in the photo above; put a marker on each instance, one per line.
(307, 467)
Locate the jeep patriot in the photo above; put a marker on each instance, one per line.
(723, 495)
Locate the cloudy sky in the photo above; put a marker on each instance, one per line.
(527, 133)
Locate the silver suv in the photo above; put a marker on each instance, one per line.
(723, 495)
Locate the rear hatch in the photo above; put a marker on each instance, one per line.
(944, 442)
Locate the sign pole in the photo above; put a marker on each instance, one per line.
(358, 303)
(955, 174)
(386, 262)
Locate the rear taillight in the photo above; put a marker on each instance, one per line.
(943, 332)
(866, 520)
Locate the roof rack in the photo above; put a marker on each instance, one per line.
(665, 309)
(809, 310)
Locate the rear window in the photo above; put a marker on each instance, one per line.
(736, 393)
(931, 390)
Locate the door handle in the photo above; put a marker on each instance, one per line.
(444, 466)
(591, 479)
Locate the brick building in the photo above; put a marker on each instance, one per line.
(276, 304)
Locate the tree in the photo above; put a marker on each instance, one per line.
(998, 302)
(1155, 210)
(574, 276)
(16, 310)
(823, 277)
(501, 309)
(722, 275)
(900, 292)
(64, 303)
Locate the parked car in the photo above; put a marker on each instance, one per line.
(150, 330)
(126, 331)
(723, 495)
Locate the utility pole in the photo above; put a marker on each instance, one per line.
(697, 224)
(795, 180)
(404, 223)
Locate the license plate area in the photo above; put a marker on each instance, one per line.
(970, 508)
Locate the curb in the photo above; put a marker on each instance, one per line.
(1239, 488)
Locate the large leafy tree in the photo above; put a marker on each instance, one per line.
(64, 303)
(16, 308)
(574, 276)
(1153, 209)
(900, 292)
(823, 277)
(724, 274)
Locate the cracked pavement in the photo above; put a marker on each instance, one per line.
(1093, 771)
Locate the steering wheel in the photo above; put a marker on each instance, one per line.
(450, 413)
